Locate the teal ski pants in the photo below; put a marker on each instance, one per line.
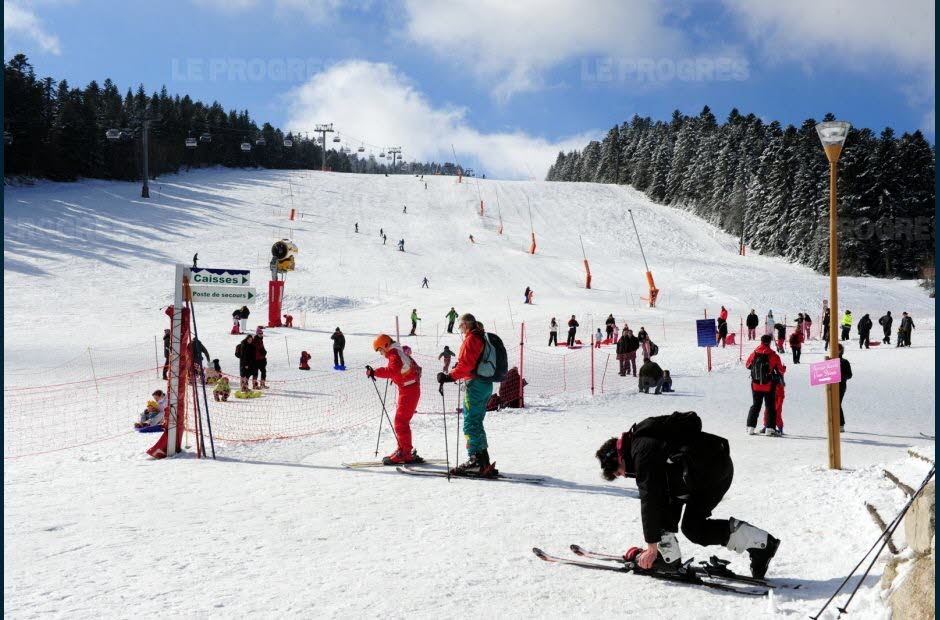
(474, 410)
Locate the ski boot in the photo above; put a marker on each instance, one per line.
(760, 545)
(415, 459)
(477, 465)
(397, 458)
(668, 560)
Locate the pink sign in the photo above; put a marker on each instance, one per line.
(824, 373)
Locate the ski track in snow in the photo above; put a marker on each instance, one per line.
(280, 529)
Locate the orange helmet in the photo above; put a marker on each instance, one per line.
(382, 341)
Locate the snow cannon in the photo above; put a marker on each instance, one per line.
(282, 260)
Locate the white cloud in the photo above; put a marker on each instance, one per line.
(512, 44)
(18, 20)
(857, 33)
(374, 102)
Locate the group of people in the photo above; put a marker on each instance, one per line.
(529, 293)
(865, 325)
(252, 361)
(405, 373)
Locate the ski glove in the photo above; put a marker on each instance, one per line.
(443, 377)
(370, 372)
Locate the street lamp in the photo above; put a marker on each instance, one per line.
(833, 135)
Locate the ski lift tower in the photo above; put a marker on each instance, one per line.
(395, 153)
(654, 292)
(323, 129)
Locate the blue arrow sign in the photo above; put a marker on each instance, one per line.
(206, 275)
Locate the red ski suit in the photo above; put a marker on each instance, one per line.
(775, 365)
(779, 394)
(406, 375)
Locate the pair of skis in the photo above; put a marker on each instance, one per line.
(423, 470)
(712, 574)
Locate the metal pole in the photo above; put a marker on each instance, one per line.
(630, 211)
(145, 190)
(835, 456)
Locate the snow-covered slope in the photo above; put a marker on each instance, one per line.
(278, 528)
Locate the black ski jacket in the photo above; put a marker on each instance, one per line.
(752, 321)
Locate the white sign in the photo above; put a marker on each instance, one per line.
(223, 294)
(205, 275)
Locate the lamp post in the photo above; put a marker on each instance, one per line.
(833, 134)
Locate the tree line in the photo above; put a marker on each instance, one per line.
(769, 185)
(56, 131)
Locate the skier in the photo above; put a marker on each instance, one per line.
(451, 318)
(781, 337)
(845, 369)
(769, 322)
(245, 352)
(414, 321)
(864, 331)
(644, 340)
(525, 295)
(572, 330)
(826, 324)
(261, 363)
(471, 239)
(846, 324)
(405, 373)
(752, 322)
(446, 355)
(885, 323)
(381, 232)
(357, 227)
(907, 326)
(384, 239)
(677, 465)
(553, 333)
(304, 360)
(796, 344)
(339, 344)
(477, 394)
(424, 282)
(651, 376)
(404, 209)
(401, 245)
(722, 332)
(528, 298)
(222, 389)
(779, 389)
(610, 323)
(807, 326)
(598, 338)
(762, 363)
(243, 313)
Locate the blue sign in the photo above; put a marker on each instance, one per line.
(706, 331)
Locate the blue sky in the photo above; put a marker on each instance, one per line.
(508, 84)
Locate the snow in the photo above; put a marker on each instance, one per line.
(279, 528)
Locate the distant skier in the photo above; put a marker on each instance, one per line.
(357, 227)
(451, 317)
(885, 323)
(807, 326)
(446, 355)
(405, 373)
(846, 324)
(751, 323)
(553, 333)
(304, 360)
(381, 232)
(769, 323)
(404, 209)
(598, 338)
(339, 344)
(471, 239)
(525, 295)
(572, 330)
(384, 239)
(864, 331)
(424, 283)
(722, 332)
(796, 345)
(781, 337)
(676, 465)
(644, 339)
(414, 321)
(610, 323)
(166, 352)
(401, 245)
(261, 364)
(762, 363)
(826, 323)
(904, 332)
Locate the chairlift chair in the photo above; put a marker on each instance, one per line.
(260, 142)
(288, 143)
(191, 143)
(336, 139)
(113, 134)
(205, 137)
(361, 149)
(246, 146)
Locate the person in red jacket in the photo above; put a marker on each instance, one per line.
(762, 363)
(796, 344)
(406, 375)
(723, 315)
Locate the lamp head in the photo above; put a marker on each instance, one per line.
(832, 134)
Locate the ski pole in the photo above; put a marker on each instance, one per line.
(440, 388)
(457, 447)
(381, 421)
(385, 411)
(205, 398)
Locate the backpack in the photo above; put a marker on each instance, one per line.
(679, 427)
(493, 364)
(760, 369)
(654, 349)
(238, 351)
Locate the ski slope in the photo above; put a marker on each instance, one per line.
(280, 529)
